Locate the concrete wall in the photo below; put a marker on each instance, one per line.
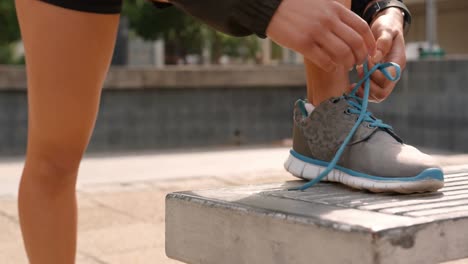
(151, 109)
(147, 109)
(429, 107)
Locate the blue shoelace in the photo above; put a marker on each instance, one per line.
(357, 105)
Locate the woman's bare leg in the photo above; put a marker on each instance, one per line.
(322, 85)
(67, 55)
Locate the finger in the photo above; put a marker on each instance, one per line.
(360, 92)
(353, 40)
(340, 53)
(320, 58)
(351, 88)
(360, 71)
(384, 44)
(378, 94)
(296, 39)
(358, 25)
(377, 91)
(379, 78)
(374, 93)
(397, 54)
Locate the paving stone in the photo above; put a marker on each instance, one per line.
(120, 239)
(9, 230)
(145, 205)
(190, 183)
(145, 256)
(12, 253)
(93, 216)
(11, 243)
(84, 201)
(99, 217)
(83, 259)
(113, 187)
(9, 208)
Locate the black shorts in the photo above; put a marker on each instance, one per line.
(95, 6)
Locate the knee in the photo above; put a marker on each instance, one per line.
(52, 172)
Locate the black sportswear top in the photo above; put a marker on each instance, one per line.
(240, 17)
(234, 17)
(92, 6)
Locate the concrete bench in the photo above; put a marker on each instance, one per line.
(328, 223)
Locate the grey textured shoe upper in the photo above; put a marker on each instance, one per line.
(374, 151)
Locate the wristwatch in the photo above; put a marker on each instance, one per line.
(371, 11)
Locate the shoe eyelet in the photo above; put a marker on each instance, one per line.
(368, 125)
(335, 100)
(347, 112)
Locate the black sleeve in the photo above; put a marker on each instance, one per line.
(90, 6)
(233, 17)
(358, 6)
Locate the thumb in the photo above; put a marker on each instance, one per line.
(384, 44)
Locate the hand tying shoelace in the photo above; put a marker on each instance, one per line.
(358, 106)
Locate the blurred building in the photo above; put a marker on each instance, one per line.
(452, 22)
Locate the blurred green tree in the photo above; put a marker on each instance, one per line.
(9, 31)
(183, 34)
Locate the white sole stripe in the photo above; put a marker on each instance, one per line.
(304, 170)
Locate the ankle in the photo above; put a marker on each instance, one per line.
(321, 86)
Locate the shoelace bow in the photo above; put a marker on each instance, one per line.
(357, 105)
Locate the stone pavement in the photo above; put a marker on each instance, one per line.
(121, 198)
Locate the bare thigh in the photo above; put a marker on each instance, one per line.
(67, 57)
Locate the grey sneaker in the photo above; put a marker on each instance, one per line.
(374, 158)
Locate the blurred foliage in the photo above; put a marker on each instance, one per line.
(246, 47)
(8, 22)
(184, 34)
(170, 24)
(9, 31)
(276, 51)
(6, 54)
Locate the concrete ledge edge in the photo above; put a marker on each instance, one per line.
(13, 78)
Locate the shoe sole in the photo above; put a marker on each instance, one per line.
(307, 168)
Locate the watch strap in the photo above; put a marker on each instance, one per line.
(371, 11)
